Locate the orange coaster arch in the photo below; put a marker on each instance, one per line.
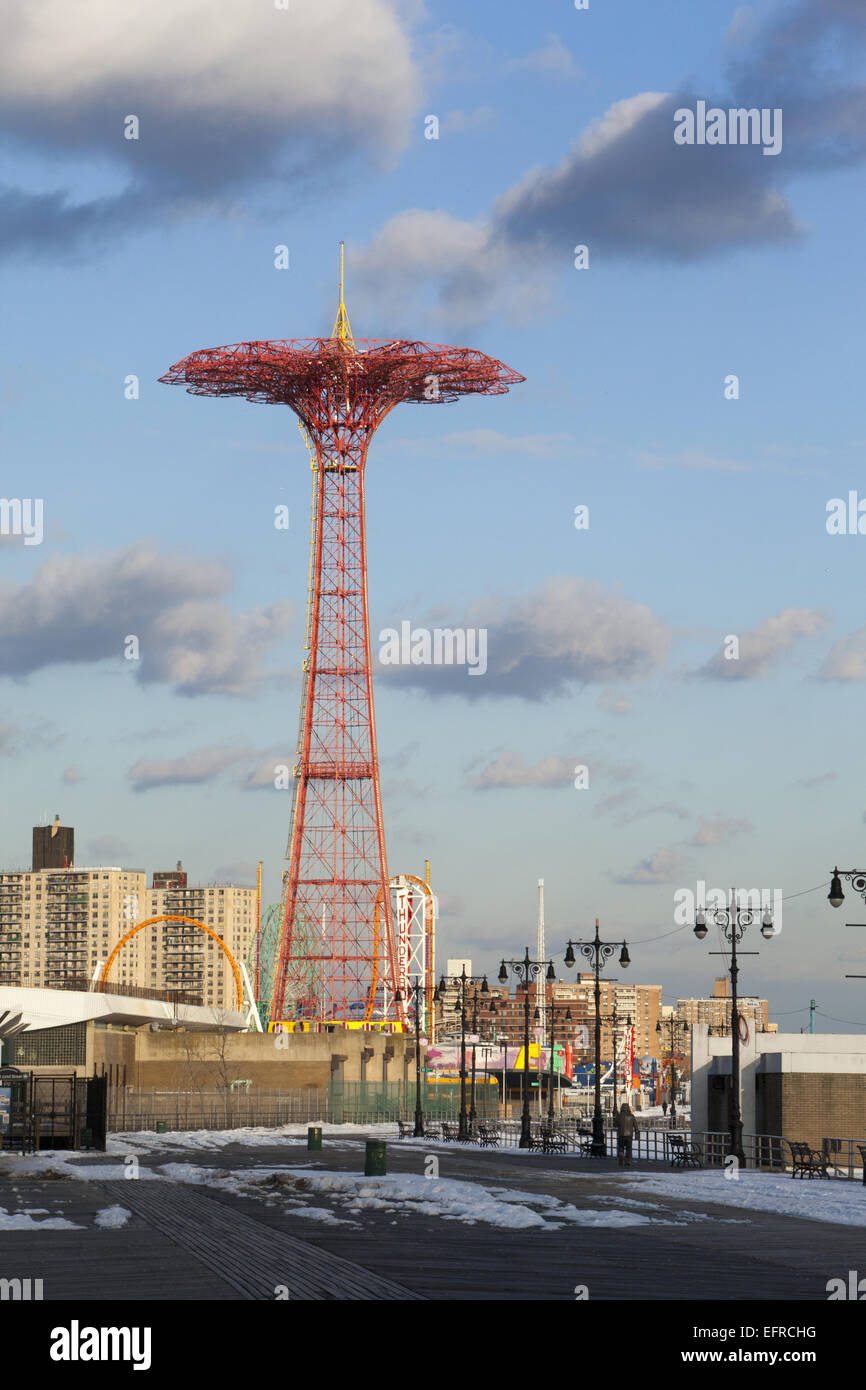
(193, 922)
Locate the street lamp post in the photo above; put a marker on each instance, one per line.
(526, 970)
(461, 982)
(493, 1009)
(598, 953)
(566, 1018)
(504, 1040)
(417, 989)
(733, 921)
(672, 1024)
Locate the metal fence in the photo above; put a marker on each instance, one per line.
(134, 1110)
(355, 1103)
(844, 1157)
(771, 1152)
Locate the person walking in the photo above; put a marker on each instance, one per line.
(664, 1107)
(626, 1132)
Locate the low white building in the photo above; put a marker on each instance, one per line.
(803, 1086)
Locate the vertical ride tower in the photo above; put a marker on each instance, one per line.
(337, 904)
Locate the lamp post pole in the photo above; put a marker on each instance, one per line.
(673, 1026)
(526, 970)
(598, 953)
(416, 989)
(461, 983)
(733, 921)
(566, 1019)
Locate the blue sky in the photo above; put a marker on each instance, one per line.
(707, 515)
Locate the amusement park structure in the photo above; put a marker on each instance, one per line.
(337, 914)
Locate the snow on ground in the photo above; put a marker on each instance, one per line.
(413, 1194)
(148, 1141)
(112, 1218)
(835, 1200)
(23, 1221)
(830, 1200)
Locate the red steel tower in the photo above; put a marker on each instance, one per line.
(336, 898)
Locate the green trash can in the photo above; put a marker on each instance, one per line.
(314, 1137)
(375, 1165)
(161, 1127)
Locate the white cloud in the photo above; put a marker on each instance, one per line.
(846, 660)
(509, 770)
(569, 631)
(79, 609)
(225, 94)
(761, 646)
(192, 768)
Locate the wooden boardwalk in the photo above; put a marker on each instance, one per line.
(253, 1258)
(198, 1241)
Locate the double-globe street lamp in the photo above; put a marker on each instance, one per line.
(461, 983)
(733, 921)
(526, 970)
(416, 990)
(598, 953)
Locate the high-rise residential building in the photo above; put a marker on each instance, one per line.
(716, 1010)
(59, 926)
(53, 846)
(640, 1003)
(182, 956)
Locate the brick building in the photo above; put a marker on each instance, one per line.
(641, 1003)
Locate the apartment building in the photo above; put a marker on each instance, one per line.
(715, 1011)
(182, 956)
(59, 925)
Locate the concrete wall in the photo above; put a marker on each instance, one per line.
(180, 1060)
(271, 1061)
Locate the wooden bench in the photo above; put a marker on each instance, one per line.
(685, 1154)
(407, 1131)
(450, 1132)
(805, 1161)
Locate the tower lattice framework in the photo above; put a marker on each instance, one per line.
(337, 905)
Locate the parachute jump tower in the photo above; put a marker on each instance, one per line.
(337, 881)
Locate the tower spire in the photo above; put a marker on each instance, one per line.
(342, 327)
